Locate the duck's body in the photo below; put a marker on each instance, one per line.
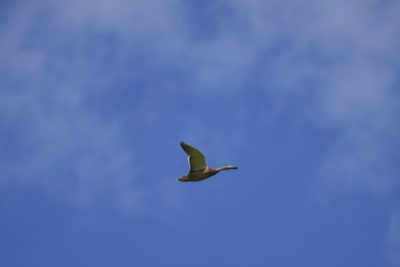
(199, 170)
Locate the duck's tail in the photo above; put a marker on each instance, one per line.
(183, 179)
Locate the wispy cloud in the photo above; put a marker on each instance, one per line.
(66, 147)
(59, 57)
(342, 57)
(53, 80)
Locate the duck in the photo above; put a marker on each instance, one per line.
(198, 168)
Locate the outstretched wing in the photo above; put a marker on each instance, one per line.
(197, 160)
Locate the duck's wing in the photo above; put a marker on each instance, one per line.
(197, 160)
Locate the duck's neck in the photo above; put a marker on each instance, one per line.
(226, 167)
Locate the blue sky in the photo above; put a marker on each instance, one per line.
(303, 96)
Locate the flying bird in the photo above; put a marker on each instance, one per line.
(199, 170)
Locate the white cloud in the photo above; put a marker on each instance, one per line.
(47, 98)
(67, 148)
(341, 55)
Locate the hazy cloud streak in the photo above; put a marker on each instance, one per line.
(343, 56)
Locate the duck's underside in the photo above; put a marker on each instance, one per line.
(199, 175)
(188, 179)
